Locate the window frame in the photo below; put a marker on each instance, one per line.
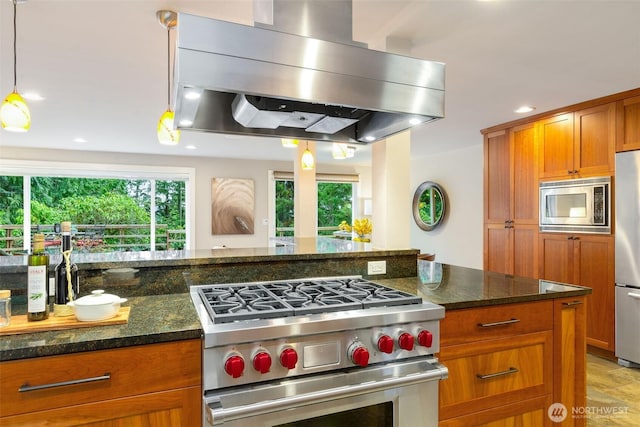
(31, 168)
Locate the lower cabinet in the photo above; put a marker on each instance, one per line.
(149, 385)
(509, 363)
(585, 260)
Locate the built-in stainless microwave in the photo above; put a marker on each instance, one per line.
(576, 205)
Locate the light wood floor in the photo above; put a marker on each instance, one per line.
(611, 387)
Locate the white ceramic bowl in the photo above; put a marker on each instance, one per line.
(97, 306)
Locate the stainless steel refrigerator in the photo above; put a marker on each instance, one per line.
(627, 232)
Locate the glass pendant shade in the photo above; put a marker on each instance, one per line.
(167, 135)
(307, 160)
(14, 113)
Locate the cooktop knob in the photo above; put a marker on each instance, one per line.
(405, 341)
(234, 366)
(289, 358)
(385, 344)
(360, 356)
(262, 362)
(425, 338)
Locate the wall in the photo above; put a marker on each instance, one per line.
(458, 240)
(205, 169)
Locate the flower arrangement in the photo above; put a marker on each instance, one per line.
(363, 228)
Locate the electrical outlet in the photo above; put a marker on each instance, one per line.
(377, 267)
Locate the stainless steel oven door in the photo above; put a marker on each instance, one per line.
(392, 395)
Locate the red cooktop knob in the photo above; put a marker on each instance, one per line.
(385, 344)
(234, 366)
(360, 356)
(425, 338)
(262, 362)
(289, 358)
(405, 341)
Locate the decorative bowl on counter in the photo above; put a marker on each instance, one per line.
(97, 306)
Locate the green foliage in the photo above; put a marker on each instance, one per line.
(10, 199)
(334, 203)
(107, 209)
(284, 205)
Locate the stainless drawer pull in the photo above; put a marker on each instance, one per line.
(504, 322)
(497, 374)
(27, 387)
(572, 303)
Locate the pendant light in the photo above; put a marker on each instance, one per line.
(14, 112)
(307, 160)
(167, 134)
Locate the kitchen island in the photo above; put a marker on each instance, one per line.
(547, 336)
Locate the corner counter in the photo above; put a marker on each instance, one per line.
(153, 319)
(460, 287)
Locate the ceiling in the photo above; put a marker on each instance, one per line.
(101, 66)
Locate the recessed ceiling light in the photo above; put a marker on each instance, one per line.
(191, 94)
(414, 121)
(190, 147)
(369, 138)
(524, 109)
(79, 140)
(185, 122)
(32, 96)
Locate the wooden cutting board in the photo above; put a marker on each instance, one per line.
(20, 324)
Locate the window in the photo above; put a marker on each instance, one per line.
(111, 208)
(336, 195)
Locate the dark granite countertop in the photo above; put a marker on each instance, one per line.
(153, 319)
(172, 317)
(298, 249)
(459, 287)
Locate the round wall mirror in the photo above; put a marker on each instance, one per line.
(429, 205)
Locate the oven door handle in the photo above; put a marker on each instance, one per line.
(219, 415)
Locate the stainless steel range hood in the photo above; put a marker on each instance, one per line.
(238, 79)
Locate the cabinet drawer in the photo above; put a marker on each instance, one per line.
(92, 376)
(527, 413)
(485, 323)
(497, 372)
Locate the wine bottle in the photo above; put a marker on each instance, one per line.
(37, 281)
(66, 275)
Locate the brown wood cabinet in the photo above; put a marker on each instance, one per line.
(511, 202)
(508, 363)
(628, 124)
(498, 357)
(156, 384)
(578, 144)
(569, 356)
(585, 260)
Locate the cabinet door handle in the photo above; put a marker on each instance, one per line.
(572, 303)
(502, 323)
(497, 374)
(26, 387)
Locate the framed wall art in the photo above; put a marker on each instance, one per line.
(232, 206)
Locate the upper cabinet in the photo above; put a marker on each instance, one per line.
(578, 144)
(511, 201)
(628, 124)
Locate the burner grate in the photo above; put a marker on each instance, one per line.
(269, 300)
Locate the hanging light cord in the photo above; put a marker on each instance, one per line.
(168, 66)
(15, 54)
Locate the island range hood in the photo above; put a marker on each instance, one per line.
(295, 80)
